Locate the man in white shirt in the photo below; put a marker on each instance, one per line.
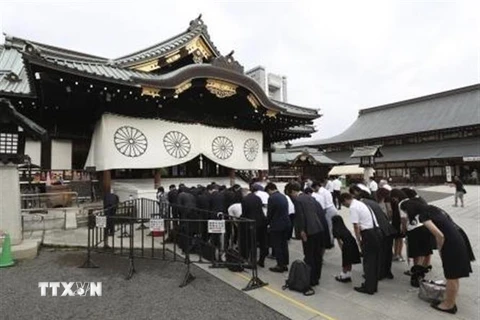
(337, 187)
(325, 199)
(368, 236)
(258, 191)
(373, 186)
(329, 185)
(384, 184)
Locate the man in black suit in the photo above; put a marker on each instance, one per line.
(110, 203)
(388, 231)
(172, 212)
(186, 206)
(311, 224)
(277, 218)
(252, 208)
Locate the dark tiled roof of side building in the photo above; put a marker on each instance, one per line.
(449, 109)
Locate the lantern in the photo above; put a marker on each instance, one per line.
(367, 155)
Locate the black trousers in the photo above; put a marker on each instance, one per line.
(313, 250)
(336, 199)
(292, 222)
(262, 237)
(280, 246)
(371, 249)
(386, 256)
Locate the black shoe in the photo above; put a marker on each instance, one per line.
(277, 269)
(389, 276)
(313, 284)
(363, 290)
(261, 264)
(285, 268)
(343, 280)
(451, 310)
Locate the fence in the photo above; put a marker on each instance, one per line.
(187, 235)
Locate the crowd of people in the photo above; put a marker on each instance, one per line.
(381, 217)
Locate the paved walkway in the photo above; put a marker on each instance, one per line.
(396, 299)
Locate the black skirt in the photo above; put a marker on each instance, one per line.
(455, 259)
(350, 252)
(419, 242)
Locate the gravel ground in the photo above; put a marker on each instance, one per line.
(153, 291)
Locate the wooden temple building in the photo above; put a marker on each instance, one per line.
(423, 140)
(176, 109)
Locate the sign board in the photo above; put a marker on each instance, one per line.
(101, 221)
(471, 159)
(157, 225)
(448, 172)
(216, 226)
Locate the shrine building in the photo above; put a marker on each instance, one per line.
(176, 109)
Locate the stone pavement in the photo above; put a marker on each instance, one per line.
(396, 299)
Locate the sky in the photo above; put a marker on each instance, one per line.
(338, 56)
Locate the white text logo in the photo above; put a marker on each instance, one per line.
(70, 289)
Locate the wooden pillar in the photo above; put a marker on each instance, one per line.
(106, 181)
(231, 174)
(157, 179)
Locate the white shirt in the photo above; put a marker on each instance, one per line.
(384, 184)
(291, 207)
(410, 224)
(373, 186)
(317, 197)
(364, 188)
(329, 186)
(264, 197)
(337, 185)
(324, 198)
(361, 214)
(235, 210)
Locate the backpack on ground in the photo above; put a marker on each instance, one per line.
(299, 278)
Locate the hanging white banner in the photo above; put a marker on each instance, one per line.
(131, 143)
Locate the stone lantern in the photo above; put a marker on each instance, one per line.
(13, 128)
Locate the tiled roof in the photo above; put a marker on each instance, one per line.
(297, 109)
(287, 156)
(197, 28)
(454, 148)
(13, 74)
(449, 109)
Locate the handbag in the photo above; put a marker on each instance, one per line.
(430, 291)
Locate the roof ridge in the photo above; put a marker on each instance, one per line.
(14, 43)
(420, 99)
(296, 106)
(196, 27)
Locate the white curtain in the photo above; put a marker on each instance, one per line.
(130, 143)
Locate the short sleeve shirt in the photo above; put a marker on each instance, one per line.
(361, 214)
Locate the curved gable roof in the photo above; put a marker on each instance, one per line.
(444, 110)
(197, 28)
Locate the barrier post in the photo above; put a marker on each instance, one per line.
(189, 277)
(90, 225)
(131, 269)
(255, 282)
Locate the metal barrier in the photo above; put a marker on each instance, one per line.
(205, 236)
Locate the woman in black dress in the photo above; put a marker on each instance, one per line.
(453, 249)
(396, 196)
(349, 247)
(420, 242)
